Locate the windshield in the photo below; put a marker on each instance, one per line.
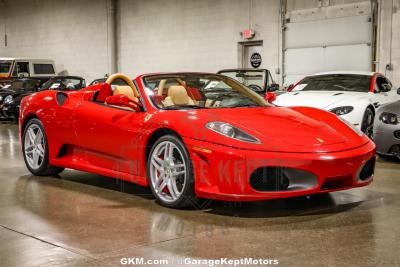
(5, 67)
(26, 85)
(184, 91)
(255, 80)
(335, 82)
(63, 84)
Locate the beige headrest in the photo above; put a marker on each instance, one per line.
(178, 95)
(124, 90)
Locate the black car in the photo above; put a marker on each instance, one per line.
(11, 95)
(258, 80)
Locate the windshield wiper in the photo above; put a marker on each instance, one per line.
(182, 107)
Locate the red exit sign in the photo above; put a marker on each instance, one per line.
(248, 34)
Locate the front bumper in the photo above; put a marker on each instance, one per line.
(385, 140)
(224, 173)
(8, 112)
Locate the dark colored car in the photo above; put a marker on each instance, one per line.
(12, 95)
(97, 81)
(258, 80)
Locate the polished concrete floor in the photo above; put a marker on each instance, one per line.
(80, 219)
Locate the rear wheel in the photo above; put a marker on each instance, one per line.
(170, 173)
(35, 150)
(367, 124)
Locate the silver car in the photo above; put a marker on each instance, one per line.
(387, 130)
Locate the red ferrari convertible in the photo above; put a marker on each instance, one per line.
(193, 135)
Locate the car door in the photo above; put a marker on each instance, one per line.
(383, 93)
(110, 136)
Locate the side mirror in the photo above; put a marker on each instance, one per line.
(270, 97)
(398, 91)
(273, 87)
(123, 101)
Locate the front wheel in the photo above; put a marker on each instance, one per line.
(367, 124)
(36, 150)
(170, 173)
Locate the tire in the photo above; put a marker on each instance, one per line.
(367, 124)
(36, 150)
(173, 191)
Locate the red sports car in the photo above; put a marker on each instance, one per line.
(193, 135)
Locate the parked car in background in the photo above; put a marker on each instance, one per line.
(387, 129)
(97, 81)
(354, 96)
(11, 95)
(14, 92)
(13, 68)
(258, 80)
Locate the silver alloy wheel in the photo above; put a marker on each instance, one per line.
(168, 171)
(34, 146)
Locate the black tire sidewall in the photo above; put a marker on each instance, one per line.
(365, 117)
(45, 163)
(188, 191)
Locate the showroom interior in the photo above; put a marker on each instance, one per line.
(95, 214)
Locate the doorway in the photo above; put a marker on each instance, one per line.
(250, 55)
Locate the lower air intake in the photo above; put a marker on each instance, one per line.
(276, 179)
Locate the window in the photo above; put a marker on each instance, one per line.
(43, 68)
(5, 67)
(382, 85)
(335, 82)
(21, 67)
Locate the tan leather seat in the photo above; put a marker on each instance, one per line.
(177, 95)
(124, 90)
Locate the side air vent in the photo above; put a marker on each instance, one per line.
(61, 98)
(367, 170)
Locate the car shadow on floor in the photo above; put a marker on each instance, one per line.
(296, 206)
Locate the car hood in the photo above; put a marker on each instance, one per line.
(323, 100)
(298, 129)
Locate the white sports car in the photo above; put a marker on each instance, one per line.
(354, 96)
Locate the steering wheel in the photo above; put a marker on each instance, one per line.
(126, 79)
(255, 87)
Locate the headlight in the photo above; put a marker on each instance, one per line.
(358, 131)
(389, 118)
(8, 99)
(231, 131)
(342, 110)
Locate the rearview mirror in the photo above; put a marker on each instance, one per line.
(123, 101)
(270, 97)
(273, 87)
(398, 91)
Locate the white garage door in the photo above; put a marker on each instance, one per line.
(326, 45)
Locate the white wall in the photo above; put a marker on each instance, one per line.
(193, 35)
(389, 48)
(73, 33)
(162, 35)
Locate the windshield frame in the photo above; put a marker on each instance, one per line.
(144, 88)
(265, 79)
(54, 79)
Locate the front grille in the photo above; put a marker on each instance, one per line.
(397, 134)
(367, 170)
(274, 179)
